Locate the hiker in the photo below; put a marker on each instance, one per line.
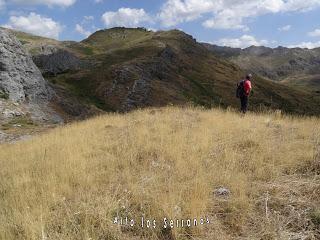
(243, 92)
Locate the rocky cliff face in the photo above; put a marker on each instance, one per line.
(133, 82)
(20, 79)
(25, 96)
(57, 62)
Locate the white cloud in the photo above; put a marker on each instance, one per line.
(152, 29)
(177, 11)
(126, 17)
(227, 14)
(300, 5)
(82, 31)
(315, 33)
(2, 4)
(285, 28)
(88, 18)
(85, 27)
(62, 3)
(233, 21)
(35, 24)
(242, 42)
(309, 45)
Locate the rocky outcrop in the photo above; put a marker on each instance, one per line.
(139, 91)
(25, 96)
(20, 79)
(222, 51)
(133, 82)
(57, 62)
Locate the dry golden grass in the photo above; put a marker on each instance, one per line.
(71, 182)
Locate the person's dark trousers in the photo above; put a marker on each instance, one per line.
(244, 103)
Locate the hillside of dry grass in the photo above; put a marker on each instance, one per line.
(72, 182)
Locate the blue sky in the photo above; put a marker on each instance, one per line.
(233, 23)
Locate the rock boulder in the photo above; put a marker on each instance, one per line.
(20, 79)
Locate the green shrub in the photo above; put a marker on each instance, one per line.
(4, 95)
(315, 217)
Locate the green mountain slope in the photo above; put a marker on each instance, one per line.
(292, 66)
(131, 68)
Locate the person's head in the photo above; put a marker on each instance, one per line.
(249, 76)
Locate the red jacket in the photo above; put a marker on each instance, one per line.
(247, 87)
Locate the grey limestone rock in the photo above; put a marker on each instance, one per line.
(222, 192)
(57, 62)
(20, 79)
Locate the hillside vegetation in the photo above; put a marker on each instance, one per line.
(167, 162)
(295, 67)
(121, 69)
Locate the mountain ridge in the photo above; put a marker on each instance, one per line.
(286, 65)
(127, 68)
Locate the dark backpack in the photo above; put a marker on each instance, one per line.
(240, 89)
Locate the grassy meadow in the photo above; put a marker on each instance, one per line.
(71, 182)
